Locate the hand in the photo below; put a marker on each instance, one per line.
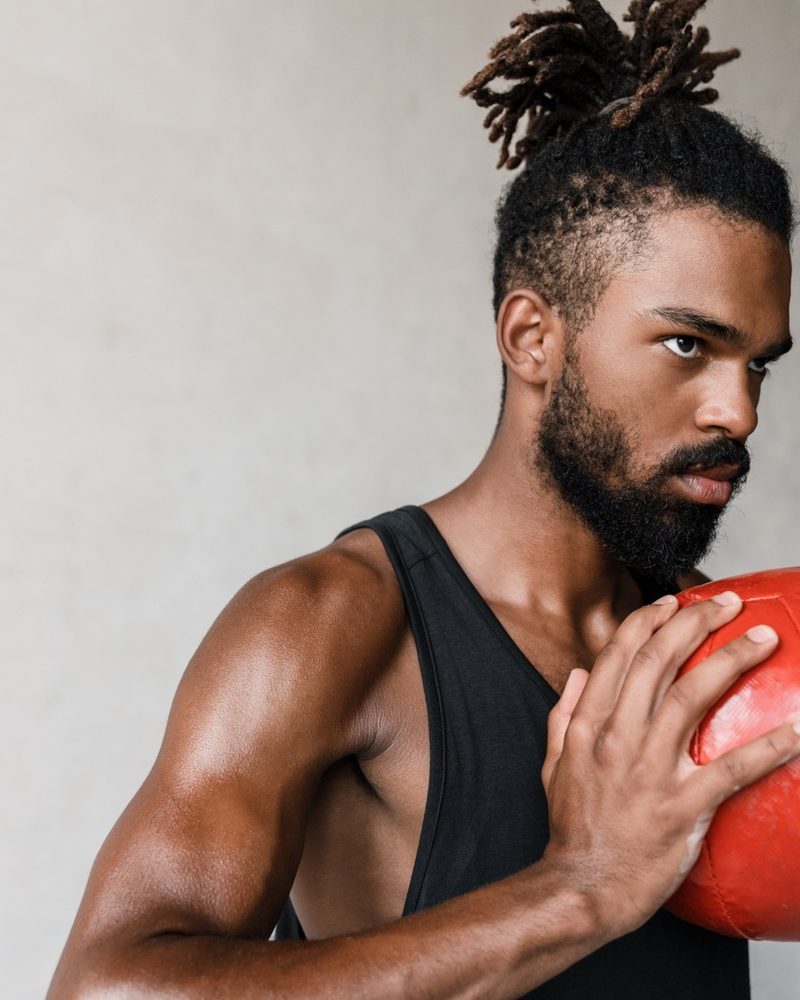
(629, 808)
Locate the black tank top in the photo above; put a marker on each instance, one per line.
(486, 812)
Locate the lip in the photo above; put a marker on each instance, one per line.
(710, 487)
(717, 472)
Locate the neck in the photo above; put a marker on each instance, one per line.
(524, 548)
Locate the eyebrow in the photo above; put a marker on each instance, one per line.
(689, 318)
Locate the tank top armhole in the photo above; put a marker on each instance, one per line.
(433, 701)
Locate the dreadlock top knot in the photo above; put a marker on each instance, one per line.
(566, 66)
(621, 102)
(615, 136)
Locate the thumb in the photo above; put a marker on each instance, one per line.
(559, 719)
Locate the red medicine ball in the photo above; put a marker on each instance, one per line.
(746, 882)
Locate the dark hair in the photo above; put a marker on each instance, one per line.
(597, 172)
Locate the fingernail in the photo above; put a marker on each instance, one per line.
(666, 599)
(727, 597)
(761, 633)
(796, 724)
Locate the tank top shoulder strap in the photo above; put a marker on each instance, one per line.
(407, 539)
(408, 543)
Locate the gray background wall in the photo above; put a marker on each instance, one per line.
(244, 284)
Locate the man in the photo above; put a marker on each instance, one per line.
(453, 733)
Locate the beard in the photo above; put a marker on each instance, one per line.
(586, 454)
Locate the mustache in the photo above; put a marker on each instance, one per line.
(720, 451)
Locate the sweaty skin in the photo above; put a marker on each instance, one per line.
(296, 752)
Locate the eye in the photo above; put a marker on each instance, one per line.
(759, 365)
(684, 346)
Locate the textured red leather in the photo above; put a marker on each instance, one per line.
(746, 882)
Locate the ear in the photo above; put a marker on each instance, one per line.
(530, 336)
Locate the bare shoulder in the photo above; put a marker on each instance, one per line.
(280, 688)
(317, 631)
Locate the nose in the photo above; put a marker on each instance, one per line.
(729, 404)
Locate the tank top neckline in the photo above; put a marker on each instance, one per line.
(424, 519)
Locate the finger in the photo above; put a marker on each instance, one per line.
(658, 660)
(689, 698)
(559, 718)
(743, 765)
(612, 664)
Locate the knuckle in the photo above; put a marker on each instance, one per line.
(580, 731)
(734, 768)
(607, 741)
(640, 775)
(644, 619)
(738, 653)
(646, 659)
(708, 613)
(731, 653)
(678, 694)
(775, 745)
(610, 651)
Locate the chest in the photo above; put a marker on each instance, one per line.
(366, 831)
(365, 822)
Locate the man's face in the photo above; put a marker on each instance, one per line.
(644, 432)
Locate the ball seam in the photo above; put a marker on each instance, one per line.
(718, 891)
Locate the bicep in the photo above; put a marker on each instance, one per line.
(212, 840)
(202, 858)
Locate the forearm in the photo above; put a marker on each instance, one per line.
(495, 943)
